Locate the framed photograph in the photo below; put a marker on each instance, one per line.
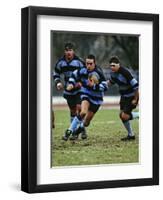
(90, 99)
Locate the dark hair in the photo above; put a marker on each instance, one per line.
(114, 59)
(90, 56)
(69, 45)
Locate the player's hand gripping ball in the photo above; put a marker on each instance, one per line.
(70, 87)
(94, 78)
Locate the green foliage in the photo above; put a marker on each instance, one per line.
(103, 46)
(103, 145)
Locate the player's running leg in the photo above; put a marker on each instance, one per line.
(89, 116)
(135, 115)
(74, 110)
(126, 122)
(78, 124)
(86, 122)
(77, 121)
(53, 119)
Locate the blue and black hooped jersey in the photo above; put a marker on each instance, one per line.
(66, 68)
(126, 82)
(93, 94)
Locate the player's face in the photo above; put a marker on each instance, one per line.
(90, 64)
(69, 54)
(114, 67)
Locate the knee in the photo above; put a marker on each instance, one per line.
(83, 114)
(124, 116)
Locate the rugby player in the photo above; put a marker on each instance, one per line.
(93, 85)
(66, 66)
(128, 89)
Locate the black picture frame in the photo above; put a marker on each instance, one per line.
(29, 98)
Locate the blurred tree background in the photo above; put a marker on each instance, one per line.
(103, 46)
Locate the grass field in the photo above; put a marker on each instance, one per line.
(103, 145)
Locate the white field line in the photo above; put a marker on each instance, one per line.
(107, 100)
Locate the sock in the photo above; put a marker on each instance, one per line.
(135, 115)
(82, 125)
(127, 125)
(75, 123)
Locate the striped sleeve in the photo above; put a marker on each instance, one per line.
(74, 77)
(131, 80)
(102, 86)
(126, 73)
(56, 74)
(134, 84)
